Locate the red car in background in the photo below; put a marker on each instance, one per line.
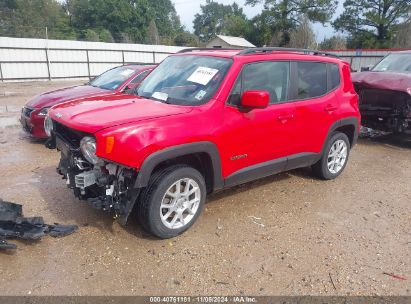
(112, 82)
(385, 93)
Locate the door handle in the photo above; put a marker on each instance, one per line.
(330, 108)
(285, 118)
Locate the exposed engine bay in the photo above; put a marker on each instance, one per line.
(384, 110)
(385, 93)
(104, 185)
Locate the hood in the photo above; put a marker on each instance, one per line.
(94, 114)
(52, 98)
(383, 80)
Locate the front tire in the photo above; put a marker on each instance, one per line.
(172, 201)
(334, 158)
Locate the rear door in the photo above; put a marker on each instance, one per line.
(315, 102)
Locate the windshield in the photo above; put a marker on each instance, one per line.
(400, 63)
(113, 78)
(185, 80)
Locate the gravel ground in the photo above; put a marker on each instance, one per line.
(288, 234)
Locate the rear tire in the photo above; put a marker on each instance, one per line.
(334, 158)
(172, 201)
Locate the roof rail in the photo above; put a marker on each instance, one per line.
(264, 50)
(205, 49)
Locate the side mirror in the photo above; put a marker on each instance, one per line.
(365, 69)
(255, 99)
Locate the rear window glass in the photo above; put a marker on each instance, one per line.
(312, 79)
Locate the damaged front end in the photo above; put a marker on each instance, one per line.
(104, 185)
(384, 110)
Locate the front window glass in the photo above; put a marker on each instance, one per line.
(113, 78)
(270, 76)
(185, 80)
(400, 63)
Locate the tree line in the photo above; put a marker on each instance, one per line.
(362, 24)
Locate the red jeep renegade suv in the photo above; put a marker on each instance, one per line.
(202, 121)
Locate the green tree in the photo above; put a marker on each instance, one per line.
(261, 30)
(105, 36)
(282, 16)
(89, 35)
(401, 37)
(237, 25)
(213, 17)
(29, 18)
(371, 23)
(336, 42)
(166, 18)
(303, 36)
(186, 39)
(120, 17)
(152, 33)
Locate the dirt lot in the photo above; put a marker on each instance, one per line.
(283, 235)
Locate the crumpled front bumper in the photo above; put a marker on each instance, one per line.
(105, 186)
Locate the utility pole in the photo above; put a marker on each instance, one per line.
(47, 53)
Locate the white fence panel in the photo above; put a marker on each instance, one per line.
(98, 68)
(24, 70)
(63, 55)
(160, 57)
(139, 57)
(22, 55)
(105, 56)
(29, 59)
(72, 70)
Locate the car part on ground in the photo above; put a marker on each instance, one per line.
(14, 225)
(385, 94)
(4, 245)
(203, 121)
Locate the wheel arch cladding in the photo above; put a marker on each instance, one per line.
(348, 126)
(202, 155)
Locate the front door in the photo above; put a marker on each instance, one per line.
(258, 138)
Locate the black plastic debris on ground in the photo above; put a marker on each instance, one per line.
(14, 225)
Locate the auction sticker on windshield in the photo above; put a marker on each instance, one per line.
(202, 75)
(160, 96)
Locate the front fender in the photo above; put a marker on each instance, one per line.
(180, 150)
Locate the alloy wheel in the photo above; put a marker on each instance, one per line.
(337, 156)
(180, 203)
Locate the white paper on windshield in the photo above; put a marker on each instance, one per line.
(127, 72)
(202, 75)
(160, 95)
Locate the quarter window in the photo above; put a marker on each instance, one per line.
(311, 79)
(334, 76)
(235, 95)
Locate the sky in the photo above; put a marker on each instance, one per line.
(186, 9)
